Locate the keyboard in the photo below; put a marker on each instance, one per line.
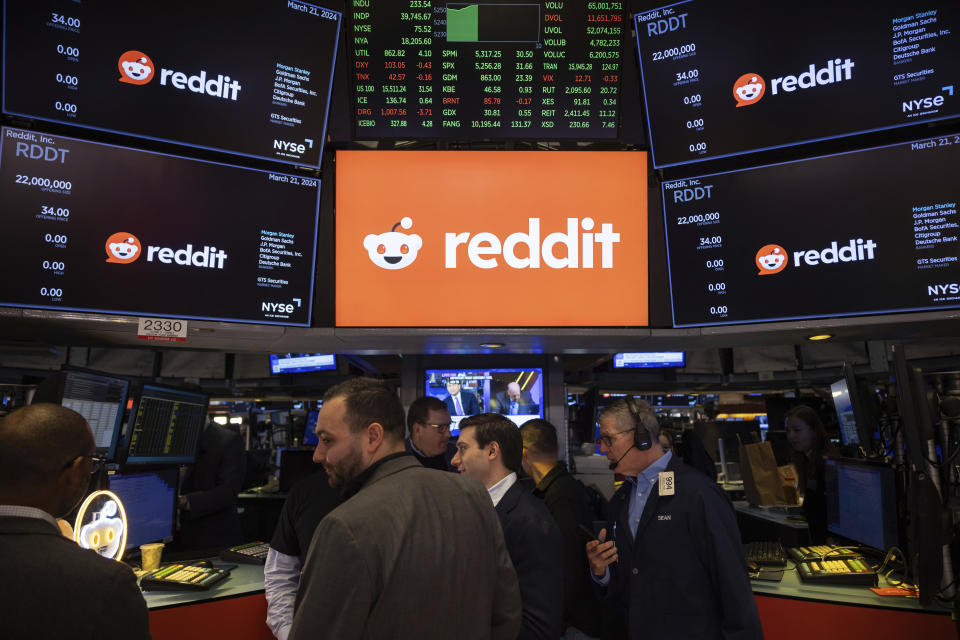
(249, 553)
(822, 552)
(852, 571)
(182, 577)
(767, 554)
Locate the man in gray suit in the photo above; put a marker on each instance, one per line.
(51, 587)
(404, 535)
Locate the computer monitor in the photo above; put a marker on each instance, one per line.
(850, 416)
(302, 362)
(149, 500)
(166, 426)
(98, 397)
(861, 502)
(310, 433)
(517, 393)
(646, 359)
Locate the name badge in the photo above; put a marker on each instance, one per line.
(666, 483)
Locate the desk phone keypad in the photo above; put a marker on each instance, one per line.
(854, 571)
(183, 577)
(250, 553)
(821, 552)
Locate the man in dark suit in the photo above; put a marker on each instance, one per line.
(569, 504)
(490, 450)
(208, 501)
(404, 533)
(428, 433)
(515, 402)
(674, 563)
(51, 587)
(460, 402)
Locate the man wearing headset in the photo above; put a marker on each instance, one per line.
(670, 556)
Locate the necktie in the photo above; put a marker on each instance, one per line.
(513, 407)
(457, 405)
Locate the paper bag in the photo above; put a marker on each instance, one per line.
(761, 479)
(788, 479)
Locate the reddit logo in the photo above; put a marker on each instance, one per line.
(122, 248)
(136, 67)
(748, 89)
(393, 250)
(771, 259)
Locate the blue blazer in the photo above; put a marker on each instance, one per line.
(535, 545)
(684, 575)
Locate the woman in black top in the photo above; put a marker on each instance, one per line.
(808, 441)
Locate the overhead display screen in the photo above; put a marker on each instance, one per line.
(252, 79)
(866, 232)
(93, 227)
(722, 78)
(505, 69)
(500, 238)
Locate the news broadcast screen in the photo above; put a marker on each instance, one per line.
(866, 232)
(95, 227)
(469, 70)
(722, 78)
(247, 78)
(515, 393)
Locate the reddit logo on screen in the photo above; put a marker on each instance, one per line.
(771, 259)
(393, 250)
(748, 89)
(136, 67)
(123, 248)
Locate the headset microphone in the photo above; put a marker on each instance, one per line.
(614, 465)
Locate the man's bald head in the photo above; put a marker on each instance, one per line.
(36, 442)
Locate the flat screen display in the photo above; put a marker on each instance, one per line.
(469, 70)
(867, 232)
(302, 362)
(845, 416)
(166, 426)
(722, 78)
(515, 393)
(94, 227)
(861, 502)
(234, 77)
(531, 230)
(101, 400)
(646, 359)
(149, 500)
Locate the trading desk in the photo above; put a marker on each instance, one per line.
(234, 608)
(797, 610)
(789, 610)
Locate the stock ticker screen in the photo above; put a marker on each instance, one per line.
(865, 232)
(507, 69)
(723, 78)
(95, 227)
(252, 79)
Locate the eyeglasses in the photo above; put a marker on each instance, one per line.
(607, 440)
(441, 428)
(97, 463)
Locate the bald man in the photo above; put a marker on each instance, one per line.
(51, 587)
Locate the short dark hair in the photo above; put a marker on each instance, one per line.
(367, 401)
(422, 406)
(36, 439)
(539, 436)
(493, 427)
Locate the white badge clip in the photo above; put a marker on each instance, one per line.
(667, 487)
